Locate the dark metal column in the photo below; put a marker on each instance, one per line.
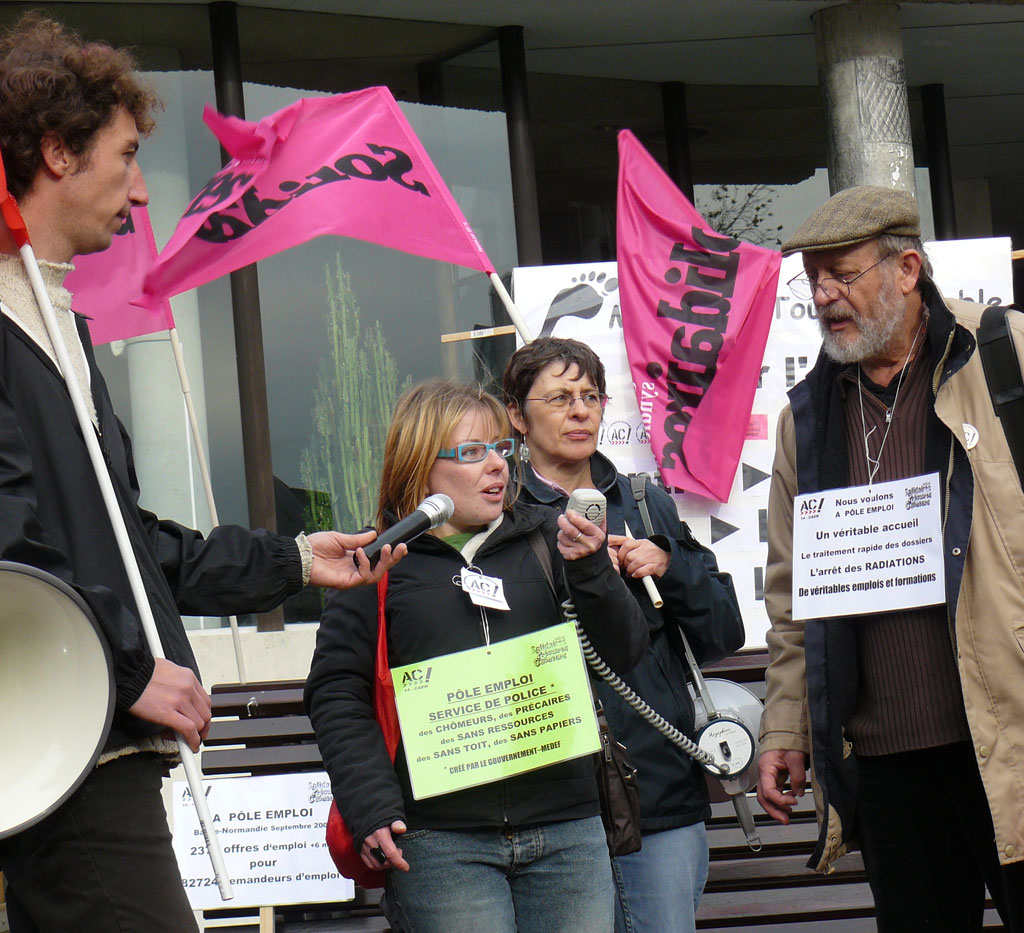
(940, 172)
(512, 54)
(677, 135)
(431, 83)
(245, 309)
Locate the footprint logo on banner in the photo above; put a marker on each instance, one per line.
(584, 300)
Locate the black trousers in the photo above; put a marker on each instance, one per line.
(926, 835)
(101, 863)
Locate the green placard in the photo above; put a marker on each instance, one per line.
(488, 713)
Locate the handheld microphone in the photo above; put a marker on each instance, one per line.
(433, 511)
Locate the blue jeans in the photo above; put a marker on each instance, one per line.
(660, 886)
(548, 879)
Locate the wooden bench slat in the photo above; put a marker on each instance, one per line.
(720, 909)
(268, 730)
(252, 703)
(271, 760)
(752, 872)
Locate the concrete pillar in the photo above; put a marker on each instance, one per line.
(864, 90)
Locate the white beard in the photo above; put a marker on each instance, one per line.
(875, 333)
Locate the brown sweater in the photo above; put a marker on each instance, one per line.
(910, 694)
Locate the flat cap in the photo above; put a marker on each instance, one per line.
(855, 215)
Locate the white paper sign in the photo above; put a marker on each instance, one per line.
(272, 832)
(868, 549)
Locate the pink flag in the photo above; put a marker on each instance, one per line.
(696, 308)
(348, 165)
(105, 284)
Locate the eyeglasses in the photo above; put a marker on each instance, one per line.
(563, 401)
(833, 288)
(474, 451)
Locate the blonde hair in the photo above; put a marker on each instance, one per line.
(421, 424)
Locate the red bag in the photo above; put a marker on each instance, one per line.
(339, 839)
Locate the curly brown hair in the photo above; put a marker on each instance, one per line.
(51, 81)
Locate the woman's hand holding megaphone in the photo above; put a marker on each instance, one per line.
(175, 698)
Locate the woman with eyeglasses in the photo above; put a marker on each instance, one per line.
(523, 853)
(555, 392)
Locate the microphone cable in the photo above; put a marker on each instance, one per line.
(659, 722)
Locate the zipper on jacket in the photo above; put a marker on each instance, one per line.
(103, 447)
(485, 625)
(949, 481)
(945, 517)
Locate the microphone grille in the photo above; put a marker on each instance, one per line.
(438, 507)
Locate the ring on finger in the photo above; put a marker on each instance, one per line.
(580, 535)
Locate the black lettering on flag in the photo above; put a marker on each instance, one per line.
(222, 226)
(216, 191)
(127, 226)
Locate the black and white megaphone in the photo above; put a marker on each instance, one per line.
(56, 693)
(727, 721)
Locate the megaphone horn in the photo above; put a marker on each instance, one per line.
(56, 693)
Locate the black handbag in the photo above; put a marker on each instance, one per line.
(618, 790)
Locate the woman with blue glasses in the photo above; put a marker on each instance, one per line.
(526, 852)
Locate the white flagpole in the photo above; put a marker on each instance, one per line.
(513, 311)
(204, 470)
(124, 545)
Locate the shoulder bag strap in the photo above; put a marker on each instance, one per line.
(540, 548)
(384, 708)
(1003, 375)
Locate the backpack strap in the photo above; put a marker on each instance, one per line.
(1003, 375)
(638, 483)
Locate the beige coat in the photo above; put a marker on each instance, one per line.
(989, 621)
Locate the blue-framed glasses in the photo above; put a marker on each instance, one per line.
(475, 451)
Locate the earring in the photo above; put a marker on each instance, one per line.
(524, 452)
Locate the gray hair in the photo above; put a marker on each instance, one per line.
(890, 245)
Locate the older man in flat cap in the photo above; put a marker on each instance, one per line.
(912, 717)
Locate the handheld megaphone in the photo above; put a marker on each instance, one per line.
(56, 693)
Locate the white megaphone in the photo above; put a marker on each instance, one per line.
(56, 693)
(727, 720)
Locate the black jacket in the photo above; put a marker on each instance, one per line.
(429, 615)
(52, 517)
(699, 599)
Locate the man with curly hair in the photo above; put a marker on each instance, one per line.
(71, 115)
